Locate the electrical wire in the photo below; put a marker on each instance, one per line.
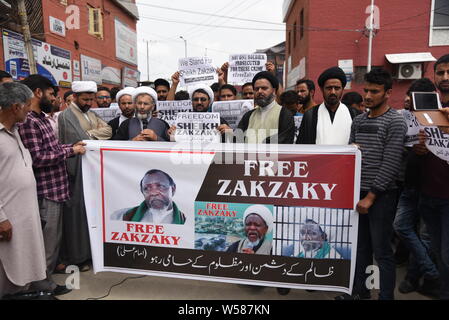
(190, 31)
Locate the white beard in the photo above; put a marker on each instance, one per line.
(141, 116)
(251, 245)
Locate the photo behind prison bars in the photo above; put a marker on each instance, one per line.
(334, 222)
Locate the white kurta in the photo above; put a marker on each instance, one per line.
(23, 258)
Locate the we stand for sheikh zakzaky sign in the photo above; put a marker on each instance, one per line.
(272, 215)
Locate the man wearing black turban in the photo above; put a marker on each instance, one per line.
(330, 122)
(268, 122)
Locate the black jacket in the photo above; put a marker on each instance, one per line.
(286, 129)
(307, 131)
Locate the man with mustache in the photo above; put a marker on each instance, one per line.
(314, 242)
(380, 135)
(78, 123)
(126, 104)
(162, 88)
(268, 122)
(158, 189)
(22, 253)
(202, 98)
(434, 189)
(306, 91)
(143, 127)
(329, 123)
(258, 221)
(49, 165)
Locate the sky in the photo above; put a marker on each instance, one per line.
(213, 40)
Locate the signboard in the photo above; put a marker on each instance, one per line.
(57, 26)
(76, 68)
(168, 110)
(233, 111)
(91, 69)
(208, 200)
(197, 70)
(130, 77)
(111, 75)
(52, 62)
(125, 43)
(348, 67)
(243, 67)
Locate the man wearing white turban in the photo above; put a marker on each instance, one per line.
(258, 221)
(143, 127)
(127, 107)
(78, 123)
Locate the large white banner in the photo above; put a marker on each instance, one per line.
(233, 111)
(243, 67)
(197, 70)
(183, 210)
(125, 43)
(53, 62)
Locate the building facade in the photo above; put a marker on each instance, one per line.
(76, 40)
(325, 33)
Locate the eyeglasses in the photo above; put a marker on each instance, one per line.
(200, 99)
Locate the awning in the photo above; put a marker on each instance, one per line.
(410, 57)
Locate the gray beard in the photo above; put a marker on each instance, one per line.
(142, 116)
(263, 102)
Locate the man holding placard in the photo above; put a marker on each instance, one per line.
(202, 99)
(126, 104)
(434, 192)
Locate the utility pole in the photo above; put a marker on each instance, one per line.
(185, 45)
(27, 36)
(370, 42)
(148, 60)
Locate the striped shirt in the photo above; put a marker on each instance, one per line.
(49, 157)
(381, 141)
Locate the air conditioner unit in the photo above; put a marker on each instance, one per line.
(409, 71)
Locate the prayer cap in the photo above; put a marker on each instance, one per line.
(268, 76)
(332, 73)
(127, 91)
(84, 87)
(261, 211)
(144, 90)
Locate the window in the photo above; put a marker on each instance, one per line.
(301, 25)
(96, 22)
(439, 26)
(289, 42)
